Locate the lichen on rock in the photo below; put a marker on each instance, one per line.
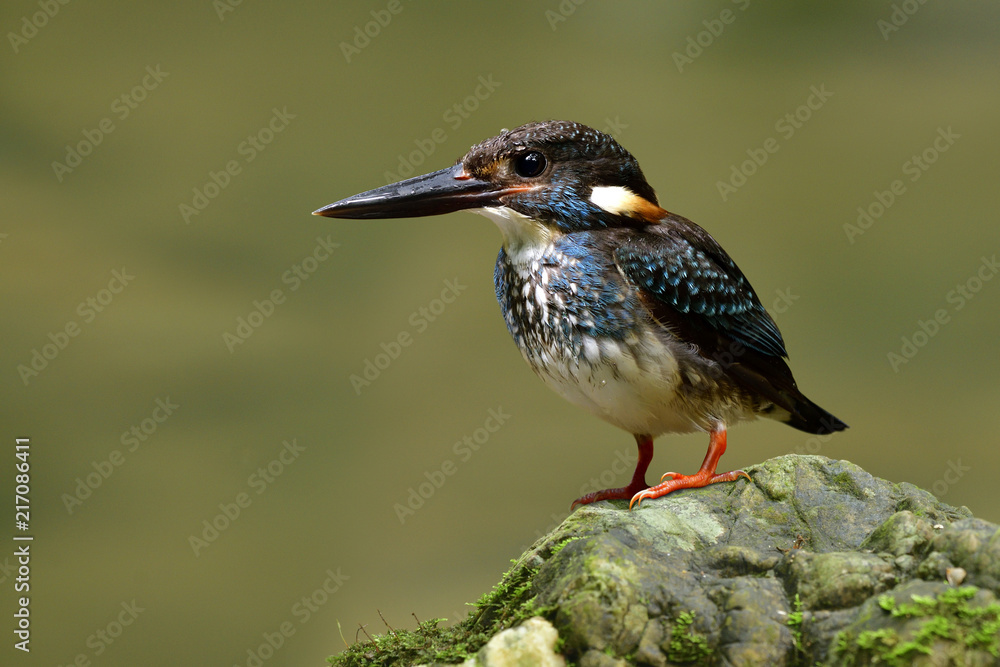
(813, 562)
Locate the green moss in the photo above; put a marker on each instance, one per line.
(686, 645)
(559, 547)
(508, 596)
(794, 624)
(428, 643)
(848, 483)
(511, 602)
(948, 617)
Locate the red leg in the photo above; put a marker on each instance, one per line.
(637, 484)
(706, 474)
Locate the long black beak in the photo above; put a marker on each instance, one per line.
(444, 191)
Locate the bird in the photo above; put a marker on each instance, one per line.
(633, 313)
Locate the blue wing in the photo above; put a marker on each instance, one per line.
(679, 265)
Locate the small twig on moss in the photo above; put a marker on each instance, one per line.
(362, 629)
(415, 618)
(391, 631)
(341, 631)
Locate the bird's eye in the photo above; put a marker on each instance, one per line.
(529, 164)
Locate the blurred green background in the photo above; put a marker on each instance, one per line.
(164, 98)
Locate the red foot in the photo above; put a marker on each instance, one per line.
(706, 474)
(637, 484)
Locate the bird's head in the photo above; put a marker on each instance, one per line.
(535, 181)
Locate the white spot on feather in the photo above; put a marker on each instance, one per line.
(543, 300)
(615, 199)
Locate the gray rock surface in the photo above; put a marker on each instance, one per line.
(814, 562)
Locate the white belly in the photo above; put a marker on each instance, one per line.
(632, 385)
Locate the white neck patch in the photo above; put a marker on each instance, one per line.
(524, 238)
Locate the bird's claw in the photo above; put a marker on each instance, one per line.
(638, 498)
(678, 482)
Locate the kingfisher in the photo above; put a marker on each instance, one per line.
(633, 313)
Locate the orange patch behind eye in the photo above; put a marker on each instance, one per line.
(649, 211)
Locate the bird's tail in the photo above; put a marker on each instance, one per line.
(770, 378)
(809, 417)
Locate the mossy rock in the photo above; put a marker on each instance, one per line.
(810, 563)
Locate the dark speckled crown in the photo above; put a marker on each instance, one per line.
(579, 158)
